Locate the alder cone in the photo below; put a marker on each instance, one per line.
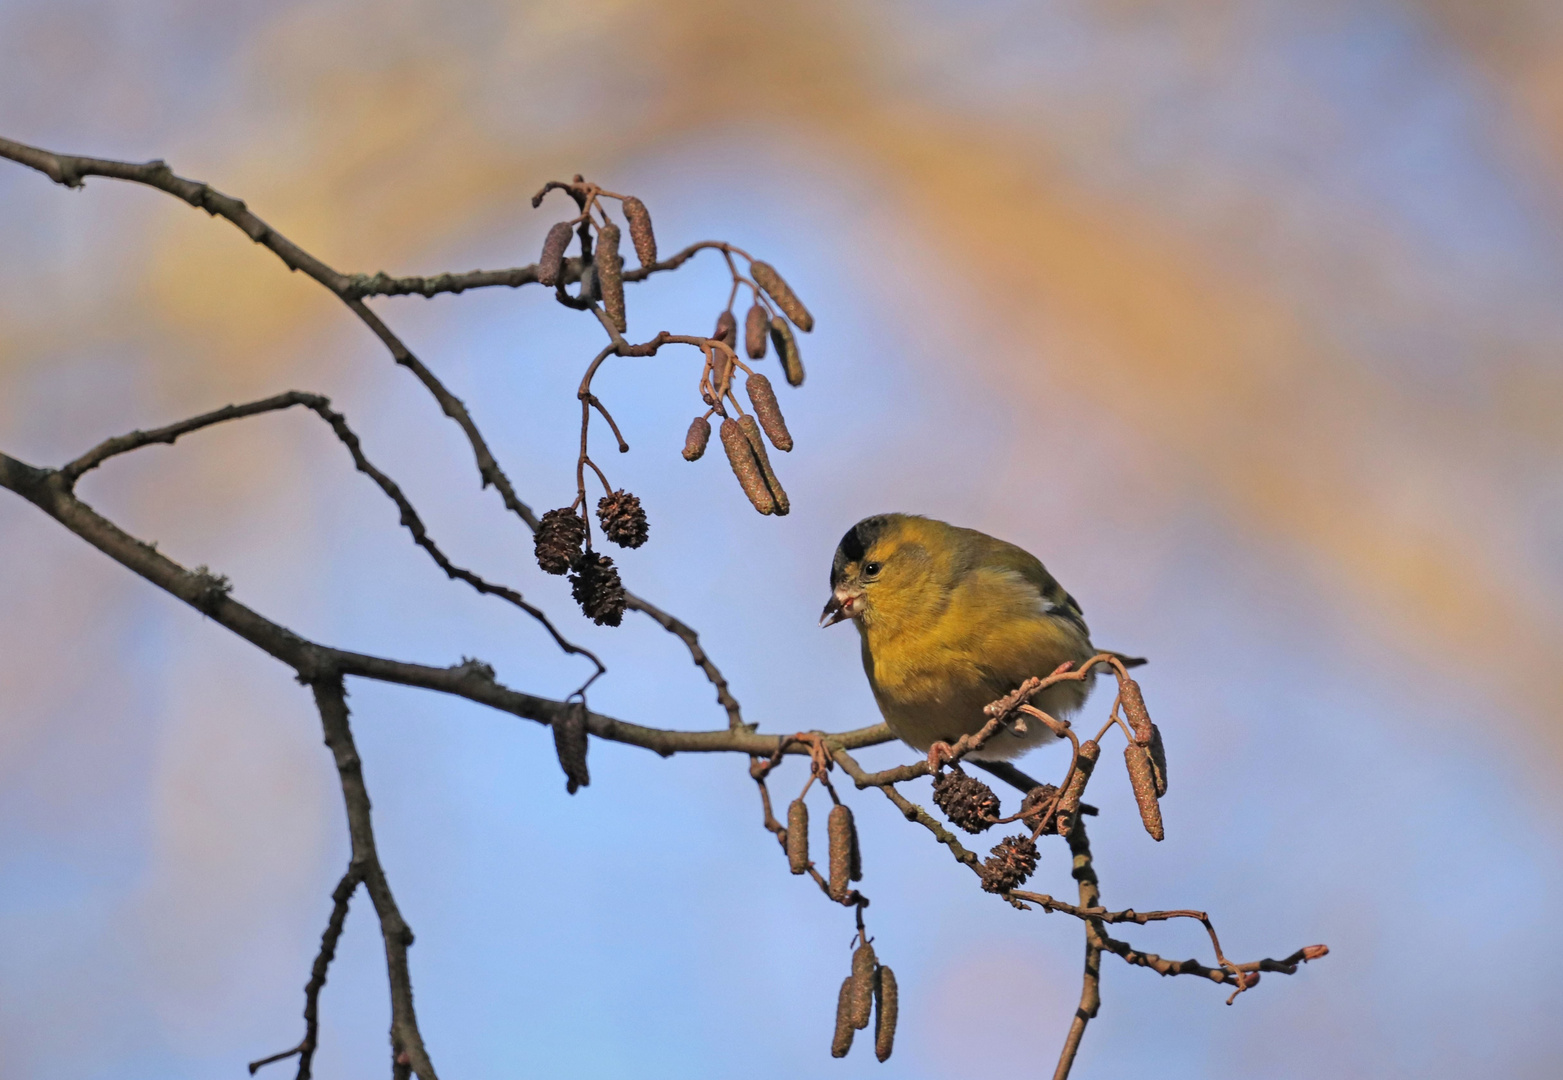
(740, 455)
(623, 519)
(610, 275)
(768, 411)
(1011, 862)
(570, 744)
(756, 325)
(779, 500)
(966, 801)
(798, 837)
(766, 277)
(726, 329)
(697, 438)
(641, 236)
(557, 543)
(787, 351)
(595, 584)
(551, 262)
(887, 1005)
(1036, 800)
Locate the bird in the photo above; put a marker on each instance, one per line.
(952, 619)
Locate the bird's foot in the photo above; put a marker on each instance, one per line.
(939, 754)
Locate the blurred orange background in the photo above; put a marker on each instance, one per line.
(1243, 317)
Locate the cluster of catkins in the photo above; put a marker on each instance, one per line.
(602, 276)
(870, 987)
(741, 437)
(560, 547)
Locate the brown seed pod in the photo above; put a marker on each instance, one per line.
(751, 429)
(595, 584)
(843, 841)
(551, 262)
(887, 1004)
(1144, 783)
(557, 543)
(623, 519)
(726, 329)
(697, 438)
(740, 455)
(766, 410)
(610, 275)
(863, 964)
(844, 1030)
(966, 801)
(570, 745)
(798, 837)
(1134, 711)
(756, 323)
(644, 239)
(1011, 862)
(787, 351)
(1069, 805)
(1038, 799)
(766, 277)
(1158, 762)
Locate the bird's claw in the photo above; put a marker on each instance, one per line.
(939, 754)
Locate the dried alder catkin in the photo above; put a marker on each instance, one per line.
(842, 1042)
(787, 351)
(558, 541)
(641, 236)
(1039, 799)
(697, 438)
(1158, 761)
(1011, 862)
(843, 845)
(595, 584)
(966, 801)
(887, 1004)
(751, 430)
(1069, 805)
(766, 410)
(862, 1001)
(1138, 759)
(551, 262)
(740, 455)
(623, 519)
(798, 837)
(726, 329)
(610, 275)
(1135, 712)
(756, 325)
(570, 745)
(766, 277)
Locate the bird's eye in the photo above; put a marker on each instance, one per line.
(871, 569)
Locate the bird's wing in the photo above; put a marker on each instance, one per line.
(1003, 555)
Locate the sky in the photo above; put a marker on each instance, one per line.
(1242, 316)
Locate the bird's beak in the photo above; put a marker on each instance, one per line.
(837, 609)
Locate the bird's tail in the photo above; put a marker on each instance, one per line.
(1126, 661)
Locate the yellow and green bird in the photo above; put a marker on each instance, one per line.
(952, 619)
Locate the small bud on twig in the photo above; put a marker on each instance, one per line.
(1139, 761)
(551, 261)
(740, 455)
(863, 964)
(697, 438)
(887, 1004)
(558, 541)
(966, 801)
(570, 745)
(726, 329)
(798, 837)
(756, 323)
(610, 275)
(1069, 805)
(843, 842)
(787, 351)
(768, 412)
(844, 1030)
(645, 240)
(595, 584)
(766, 277)
(623, 519)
